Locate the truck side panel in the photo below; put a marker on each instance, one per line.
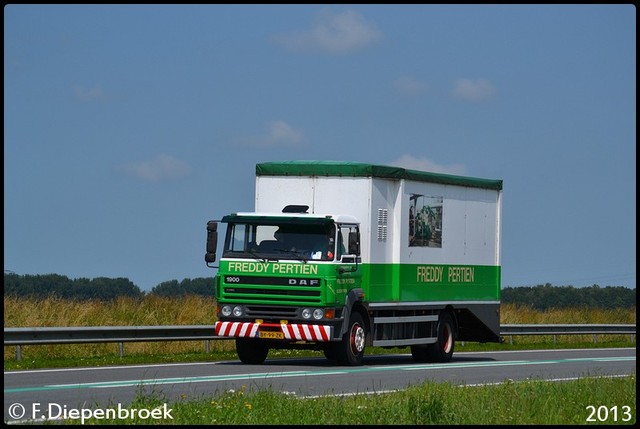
(463, 223)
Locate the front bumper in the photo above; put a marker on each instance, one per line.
(290, 332)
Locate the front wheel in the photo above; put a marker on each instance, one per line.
(350, 350)
(251, 351)
(330, 352)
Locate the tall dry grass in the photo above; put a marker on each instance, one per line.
(125, 311)
(197, 310)
(515, 314)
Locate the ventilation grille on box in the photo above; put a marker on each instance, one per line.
(382, 224)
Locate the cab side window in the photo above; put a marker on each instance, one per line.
(348, 240)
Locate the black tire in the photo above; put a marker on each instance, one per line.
(442, 350)
(251, 351)
(330, 352)
(420, 353)
(350, 350)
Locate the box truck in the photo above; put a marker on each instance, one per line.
(338, 256)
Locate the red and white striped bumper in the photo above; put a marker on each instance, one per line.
(296, 332)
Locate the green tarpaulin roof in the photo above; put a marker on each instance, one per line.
(357, 169)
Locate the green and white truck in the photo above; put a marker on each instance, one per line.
(338, 256)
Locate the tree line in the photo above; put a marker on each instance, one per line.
(540, 297)
(101, 288)
(543, 297)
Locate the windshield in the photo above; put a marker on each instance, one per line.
(306, 241)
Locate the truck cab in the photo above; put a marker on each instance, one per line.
(283, 280)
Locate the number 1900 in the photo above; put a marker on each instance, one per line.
(603, 413)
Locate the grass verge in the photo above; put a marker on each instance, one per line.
(584, 401)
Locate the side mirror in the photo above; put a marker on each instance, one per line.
(354, 243)
(212, 241)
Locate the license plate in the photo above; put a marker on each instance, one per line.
(271, 335)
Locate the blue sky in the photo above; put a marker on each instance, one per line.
(127, 128)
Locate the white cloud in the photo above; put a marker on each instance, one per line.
(161, 168)
(478, 90)
(277, 134)
(333, 33)
(410, 86)
(425, 164)
(82, 93)
(282, 133)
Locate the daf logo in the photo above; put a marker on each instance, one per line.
(304, 282)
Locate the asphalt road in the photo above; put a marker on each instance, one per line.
(46, 394)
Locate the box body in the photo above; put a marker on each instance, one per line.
(424, 236)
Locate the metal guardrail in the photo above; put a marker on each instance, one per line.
(107, 334)
(121, 334)
(567, 329)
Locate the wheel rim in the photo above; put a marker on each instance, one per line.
(447, 335)
(357, 339)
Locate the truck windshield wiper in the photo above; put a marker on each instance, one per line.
(294, 253)
(255, 255)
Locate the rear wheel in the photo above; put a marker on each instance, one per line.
(442, 350)
(251, 351)
(420, 353)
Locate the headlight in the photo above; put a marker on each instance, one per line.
(306, 313)
(226, 310)
(318, 313)
(237, 311)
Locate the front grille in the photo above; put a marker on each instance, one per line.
(230, 290)
(268, 311)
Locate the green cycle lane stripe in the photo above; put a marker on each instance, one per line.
(266, 375)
